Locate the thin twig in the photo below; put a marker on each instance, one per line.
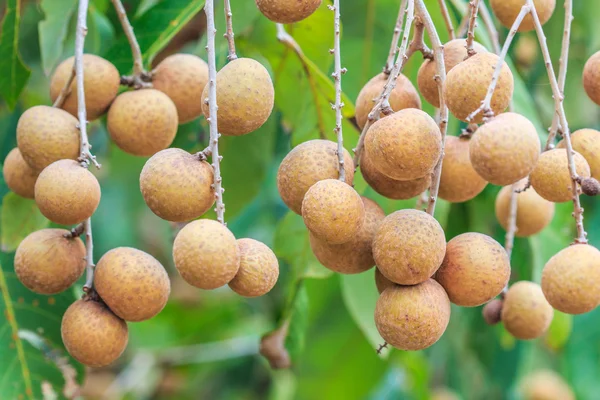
(509, 239)
(488, 23)
(229, 35)
(474, 7)
(89, 256)
(447, 19)
(337, 75)
(389, 64)
(66, 90)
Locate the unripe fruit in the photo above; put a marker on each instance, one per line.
(409, 246)
(101, 82)
(507, 11)
(546, 385)
(459, 181)
(587, 143)
(245, 96)
(92, 334)
(182, 77)
(591, 77)
(46, 134)
(259, 269)
(142, 122)
(492, 312)
(18, 175)
(307, 164)
(551, 178)
(475, 269)
(333, 211)
(66, 193)
(287, 12)
(132, 283)
(381, 281)
(412, 317)
(49, 262)
(526, 314)
(177, 186)
(206, 254)
(404, 146)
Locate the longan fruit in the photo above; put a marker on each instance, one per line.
(67, 193)
(587, 143)
(287, 12)
(412, 317)
(546, 385)
(526, 314)
(492, 312)
(505, 149)
(475, 269)
(92, 334)
(459, 181)
(142, 122)
(307, 164)
(47, 134)
(101, 82)
(245, 96)
(467, 84)
(507, 10)
(259, 269)
(591, 77)
(177, 185)
(206, 254)
(409, 246)
(551, 178)
(381, 281)
(18, 175)
(333, 211)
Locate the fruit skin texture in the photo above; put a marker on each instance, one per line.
(507, 10)
(45, 135)
(412, 317)
(287, 12)
(206, 254)
(18, 175)
(92, 334)
(245, 95)
(551, 178)
(475, 269)
(132, 283)
(47, 262)
(101, 81)
(571, 279)
(409, 246)
(405, 145)
(546, 385)
(591, 77)
(142, 122)
(381, 281)
(333, 211)
(587, 143)
(467, 84)
(259, 269)
(176, 185)
(182, 77)
(505, 149)
(307, 164)
(66, 193)
(459, 181)
(526, 314)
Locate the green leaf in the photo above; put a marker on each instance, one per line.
(20, 217)
(560, 330)
(298, 322)
(53, 30)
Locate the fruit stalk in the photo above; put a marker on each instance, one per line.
(66, 90)
(509, 239)
(474, 7)
(229, 35)
(337, 75)
(447, 20)
(89, 256)
(389, 64)
(488, 23)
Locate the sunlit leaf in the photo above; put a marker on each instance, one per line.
(19, 218)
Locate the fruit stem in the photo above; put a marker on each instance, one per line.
(474, 7)
(229, 35)
(488, 23)
(509, 239)
(337, 75)
(89, 257)
(389, 64)
(66, 89)
(447, 20)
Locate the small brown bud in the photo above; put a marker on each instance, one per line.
(590, 186)
(492, 312)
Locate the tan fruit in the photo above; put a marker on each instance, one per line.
(475, 269)
(66, 193)
(546, 385)
(101, 82)
(142, 122)
(409, 247)
(49, 262)
(526, 314)
(591, 77)
(381, 281)
(412, 317)
(92, 334)
(206, 254)
(333, 211)
(245, 96)
(18, 175)
(177, 185)
(459, 181)
(259, 269)
(404, 146)
(467, 85)
(307, 164)
(287, 12)
(46, 134)
(507, 10)
(551, 178)
(587, 143)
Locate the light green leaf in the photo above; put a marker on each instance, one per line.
(19, 218)
(53, 30)
(560, 330)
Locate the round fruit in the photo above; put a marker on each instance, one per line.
(18, 175)
(206, 254)
(409, 246)
(587, 143)
(92, 334)
(49, 261)
(132, 283)
(245, 96)
(492, 312)
(333, 211)
(177, 186)
(66, 193)
(459, 181)
(507, 11)
(412, 317)
(142, 122)
(546, 385)
(381, 281)
(591, 77)
(526, 313)
(551, 178)
(287, 12)
(475, 269)
(307, 164)
(259, 269)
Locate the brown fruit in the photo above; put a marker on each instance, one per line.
(245, 96)
(177, 186)
(307, 164)
(587, 143)
(46, 134)
(206, 254)
(591, 77)
(551, 178)
(459, 181)
(66, 193)
(101, 82)
(590, 187)
(92, 334)
(381, 281)
(475, 269)
(48, 262)
(546, 385)
(409, 246)
(333, 211)
(18, 175)
(412, 317)
(287, 12)
(526, 314)
(259, 269)
(492, 312)
(132, 283)
(507, 10)
(142, 122)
